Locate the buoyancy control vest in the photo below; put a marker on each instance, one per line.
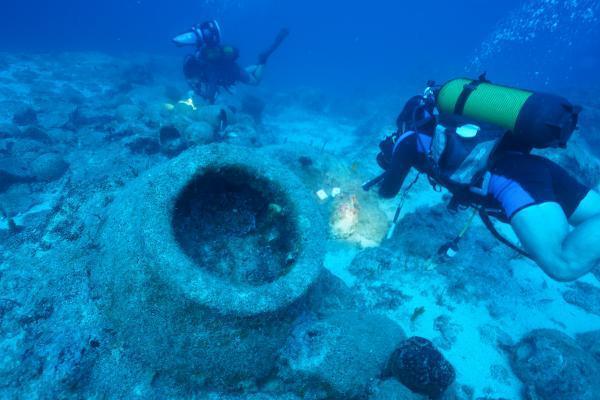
(460, 155)
(217, 54)
(212, 68)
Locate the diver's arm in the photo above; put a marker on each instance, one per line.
(192, 71)
(400, 165)
(195, 85)
(392, 182)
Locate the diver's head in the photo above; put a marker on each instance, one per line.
(211, 33)
(206, 34)
(418, 114)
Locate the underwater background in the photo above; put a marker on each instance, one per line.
(348, 45)
(300, 296)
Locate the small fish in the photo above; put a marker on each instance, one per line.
(275, 208)
(417, 313)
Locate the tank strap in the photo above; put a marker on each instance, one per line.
(459, 108)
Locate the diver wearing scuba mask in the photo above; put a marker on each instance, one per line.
(474, 138)
(205, 34)
(214, 65)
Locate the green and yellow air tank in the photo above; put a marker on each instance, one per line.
(532, 119)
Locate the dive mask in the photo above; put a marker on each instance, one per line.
(207, 33)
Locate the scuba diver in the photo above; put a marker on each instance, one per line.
(475, 139)
(214, 65)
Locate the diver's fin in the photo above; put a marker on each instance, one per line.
(263, 58)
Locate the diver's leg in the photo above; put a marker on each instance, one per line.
(541, 199)
(583, 244)
(588, 208)
(543, 230)
(255, 73)
(582, 247)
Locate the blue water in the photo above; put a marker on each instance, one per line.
(380, 45)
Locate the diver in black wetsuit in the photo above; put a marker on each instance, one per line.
(556, 218)
(214, 65)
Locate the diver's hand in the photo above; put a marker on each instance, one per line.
(196, 86)
(383, 161)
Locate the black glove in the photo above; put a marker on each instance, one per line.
(386, 147)
(383, 162)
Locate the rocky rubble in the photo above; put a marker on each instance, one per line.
(584, 295)
(70, 145)
(342, 354)
(552, 365)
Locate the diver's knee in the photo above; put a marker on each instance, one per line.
(256, 78)
(564, 276)
(560, 270)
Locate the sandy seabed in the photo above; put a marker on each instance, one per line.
(76, 129)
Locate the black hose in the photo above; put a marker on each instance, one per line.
(485, 218)
(369, 185)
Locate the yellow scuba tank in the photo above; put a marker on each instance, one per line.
(532, 119)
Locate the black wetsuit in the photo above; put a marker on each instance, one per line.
(213, 68)
(518, 180)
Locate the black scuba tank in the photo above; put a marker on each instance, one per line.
(532, 119)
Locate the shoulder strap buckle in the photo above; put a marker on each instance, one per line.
(483, 189)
